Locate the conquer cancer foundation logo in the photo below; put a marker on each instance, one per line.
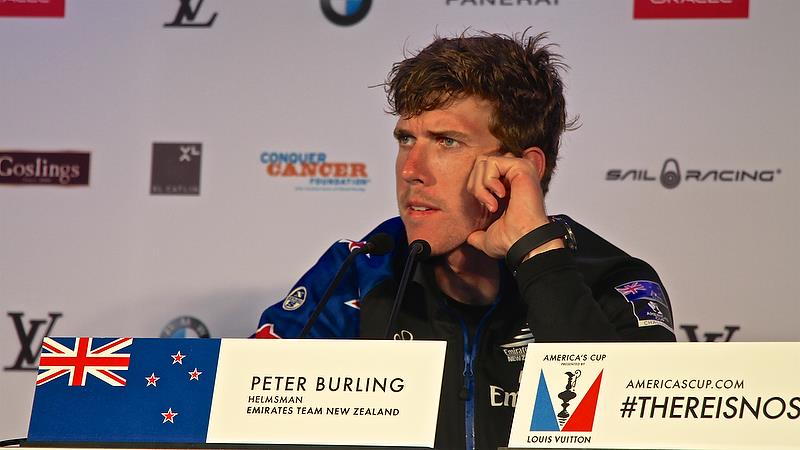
(565, 412)
(311, 171)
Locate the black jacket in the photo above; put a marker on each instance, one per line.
(596, 293)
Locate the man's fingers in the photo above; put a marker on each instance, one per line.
(491, 178)
(477, 186)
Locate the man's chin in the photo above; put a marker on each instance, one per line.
(438, 245)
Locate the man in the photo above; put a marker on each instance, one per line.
(479, 123)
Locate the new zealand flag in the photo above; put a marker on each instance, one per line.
(124, 390)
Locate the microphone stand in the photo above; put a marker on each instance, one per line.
(379, 244)
(418, 250)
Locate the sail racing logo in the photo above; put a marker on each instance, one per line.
(671, 175)
(574, 414)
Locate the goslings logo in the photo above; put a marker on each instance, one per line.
(570, 418)
(52, 168)
(345, 12)
(691, 9)
(176, 169)
(32, 8)
(671, 175)
(315, 172)
(186, 16)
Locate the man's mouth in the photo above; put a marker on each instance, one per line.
(418, 206)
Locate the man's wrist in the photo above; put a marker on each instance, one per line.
(551, 236)
(555, 244)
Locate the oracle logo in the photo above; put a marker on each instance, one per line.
(32, 8)
(691, 9)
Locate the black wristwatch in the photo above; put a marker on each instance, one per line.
(557, 228)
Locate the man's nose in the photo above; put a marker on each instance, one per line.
(415, 167)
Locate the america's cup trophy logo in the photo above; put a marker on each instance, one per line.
(567, 394)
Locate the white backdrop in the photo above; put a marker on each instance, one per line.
(277, 76)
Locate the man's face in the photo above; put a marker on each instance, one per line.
(437, 150)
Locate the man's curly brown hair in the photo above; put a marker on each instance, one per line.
(519, 75)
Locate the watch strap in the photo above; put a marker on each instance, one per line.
(533, 239)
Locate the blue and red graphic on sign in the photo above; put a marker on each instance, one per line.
(580, 420)
(141, 390)
(80, 359)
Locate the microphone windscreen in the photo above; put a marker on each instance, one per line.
(421, 248)
(380, 244)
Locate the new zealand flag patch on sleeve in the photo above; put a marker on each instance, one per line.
(648, 302)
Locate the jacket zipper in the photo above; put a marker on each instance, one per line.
(468, 390)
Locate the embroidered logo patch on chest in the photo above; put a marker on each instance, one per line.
(517, 348)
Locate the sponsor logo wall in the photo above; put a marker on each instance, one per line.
(175, 174)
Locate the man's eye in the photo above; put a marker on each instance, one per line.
(448, 142)
(405, 140)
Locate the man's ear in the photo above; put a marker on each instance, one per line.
(536, 156)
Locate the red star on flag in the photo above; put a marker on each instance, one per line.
(353, 245)
(353, 303)
(151, 380)
(169, 416)
(267, 331)
(194, 375)
(178, 358)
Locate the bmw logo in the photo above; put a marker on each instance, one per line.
(345, 12)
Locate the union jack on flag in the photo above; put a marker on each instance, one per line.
(81, 359)
(631, 288)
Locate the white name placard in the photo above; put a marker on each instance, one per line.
(327, 392)
(659, 396)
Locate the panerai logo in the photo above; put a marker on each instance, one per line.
(671, 175)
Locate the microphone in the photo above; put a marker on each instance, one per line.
(419, 250)
(379, 244)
